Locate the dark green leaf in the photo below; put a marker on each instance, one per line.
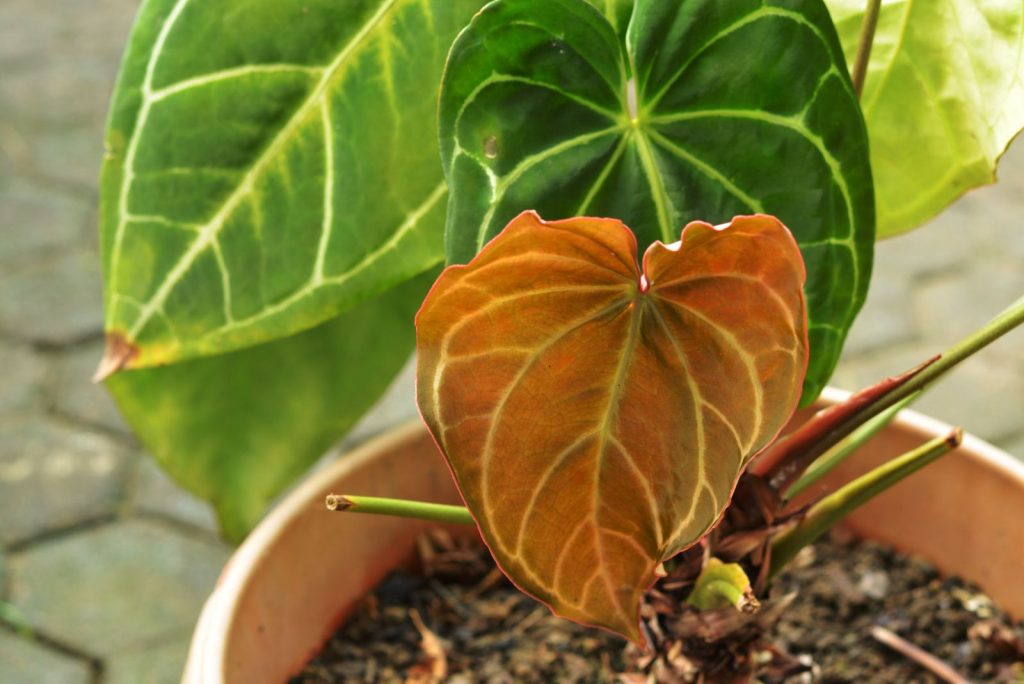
(740, 107)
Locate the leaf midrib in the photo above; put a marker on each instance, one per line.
(635, 310)
(869, 107)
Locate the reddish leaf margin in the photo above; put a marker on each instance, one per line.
(596, 418)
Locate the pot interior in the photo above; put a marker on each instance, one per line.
(303, 571)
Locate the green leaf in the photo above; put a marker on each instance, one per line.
(269, 164)
(944, 96)
(723, 585)
(237, 429)
(740, 107)
(618, 13)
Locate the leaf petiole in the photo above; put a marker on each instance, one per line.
(836, 506)
(1010, 318)
(864, 43)
(839, 453)
(403, 508)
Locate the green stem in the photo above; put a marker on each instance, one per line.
(726, 592)
(836, 506)
(1009, 319)
(867, 39)
(839, 453)
(999, 326)
(443, 513)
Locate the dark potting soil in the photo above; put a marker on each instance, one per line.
(475, 627)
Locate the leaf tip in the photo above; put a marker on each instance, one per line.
(119, 354)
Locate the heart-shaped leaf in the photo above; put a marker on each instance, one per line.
(943, 97)
(709, 108)
(596, 419)
(269, 164)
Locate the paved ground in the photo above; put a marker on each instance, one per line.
(103, 563)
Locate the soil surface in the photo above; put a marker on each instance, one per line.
(475, 627)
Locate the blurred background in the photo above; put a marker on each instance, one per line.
(104, 563)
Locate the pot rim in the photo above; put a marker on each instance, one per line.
(209, 643)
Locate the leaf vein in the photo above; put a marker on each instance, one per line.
(266, 158)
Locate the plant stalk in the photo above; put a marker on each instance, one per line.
(784, 462)
(864, 44)
(1009, 319)
(840, 452)
(836, 506)
(403, 508)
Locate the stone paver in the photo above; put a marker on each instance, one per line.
(53, 476)
(158, 665)
(37, 222)
(23, 661)
(76, 396)
(980, 383)
(24, 374)
(979, 395)
(155, 492)
(919, 253)
(59, 60)
(37, 32)
(121, 586)
(69, 155)
(128, 591)
(57, 92)
(950, 307)
(893, 317)
(53, 302)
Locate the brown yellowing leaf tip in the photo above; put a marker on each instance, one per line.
(119, 354)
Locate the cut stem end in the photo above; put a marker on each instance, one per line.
(337, 502)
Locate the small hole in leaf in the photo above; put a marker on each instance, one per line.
(491, 147)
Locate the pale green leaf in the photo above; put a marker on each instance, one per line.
(943, 97)
(269, 164)
(237, 429)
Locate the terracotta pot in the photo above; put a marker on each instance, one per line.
(301, 572)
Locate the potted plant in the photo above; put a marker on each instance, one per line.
(268, 615)
(260, 267)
